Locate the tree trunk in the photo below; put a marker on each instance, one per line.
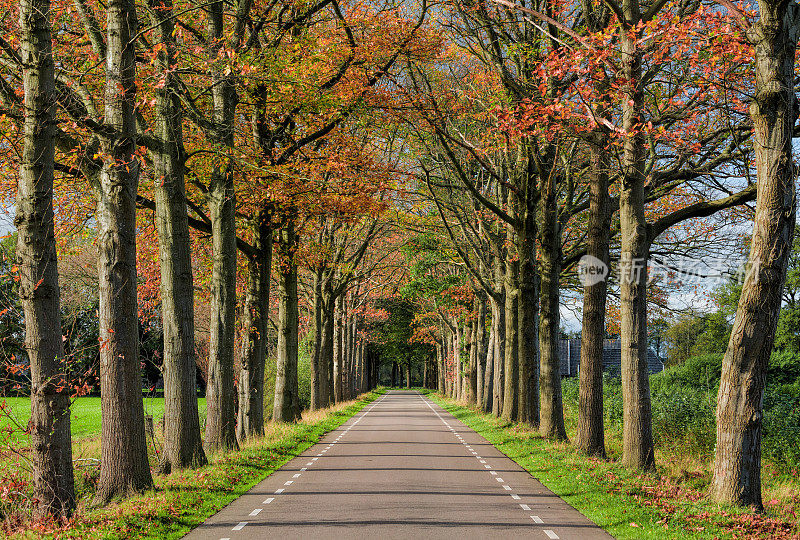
(37, 259)
(124, 467)
(220, 396)
(480, 349)
(338, 352)
(488, 376)
(220, 392)
(328, 340)
(408, 374)
(470, 372)
(326, 351)
(457, 342)
(552, 414)
(250, 417)
(183, 444)
(511, 387)
(440, 384)
(637, 421)
(737, 464)
(363, 370)
(499, 323)
(528, 305)
(590, 437)
(347, 384)
(287, 398)
(353, 352)
(316, 352)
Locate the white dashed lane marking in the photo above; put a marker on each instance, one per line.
(267, 501)
(536, 519)
(256, 511)
(240, 526)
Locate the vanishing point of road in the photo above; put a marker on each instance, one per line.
(401, 468)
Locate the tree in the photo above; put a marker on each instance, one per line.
(737, 461)
(183, 445)
(38, 270)
(124, 466)
(287, 400)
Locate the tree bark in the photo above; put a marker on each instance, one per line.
(37, 260)
(590, 436)
(528, 306)
(480, 350)
(363, 370)
(220, 393)
(552, 414)
(322, 355)
(499, 322)
(488, 376)
(338, 352)
(737, 464)
(637, 420)
(124, 467)
(316, 352)
(440, 384)
(470, 372)
(511, 387)
(457, 343)
(183, 443)
(250, 417)
(287, 398)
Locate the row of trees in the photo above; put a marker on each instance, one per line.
(247, 133)
(603, 134)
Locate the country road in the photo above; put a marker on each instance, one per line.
(401, 468)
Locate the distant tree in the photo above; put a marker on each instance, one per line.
(681, 336)
(656, 333)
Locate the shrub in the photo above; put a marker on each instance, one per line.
(699, 372)
(684, 400)
(781, 435)
(783, 369)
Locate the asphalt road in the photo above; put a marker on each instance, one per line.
(402, 468)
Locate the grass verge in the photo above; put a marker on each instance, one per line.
(626, 503)
(184, 499)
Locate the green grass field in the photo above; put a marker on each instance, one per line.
(84, 414)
